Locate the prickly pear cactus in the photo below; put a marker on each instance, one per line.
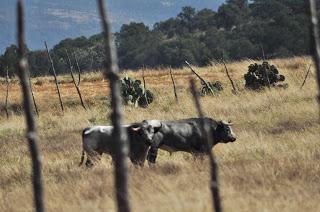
(133, 93)
(215, 86)
(260, 75)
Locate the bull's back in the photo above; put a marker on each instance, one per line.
(180, 136)
(97, 138)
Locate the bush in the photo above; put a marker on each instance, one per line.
(133, 93)
(260, 75)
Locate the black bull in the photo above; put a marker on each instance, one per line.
(185, 135)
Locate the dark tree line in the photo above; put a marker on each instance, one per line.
(238, 29)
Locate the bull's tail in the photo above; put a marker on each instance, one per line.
(82, 158)
(83, 152)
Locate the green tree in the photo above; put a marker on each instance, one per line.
(233, 13)
(10, 59)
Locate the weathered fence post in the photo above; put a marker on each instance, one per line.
(263, 54)
(201, 79)
(79, 70)
(7, 93)
(265, 70)
(31, 126)
(144, 86)
(214, 185)
(305, 78)
(228, 75)
(315, 44)
(55, 76)
(32, 94)
(77, 86)
(119, 134)
(174, 85)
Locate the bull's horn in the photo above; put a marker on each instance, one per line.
(229, 123)
(135, 128)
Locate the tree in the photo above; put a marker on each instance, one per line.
(136, 44)
(10, 59)
(232, 13)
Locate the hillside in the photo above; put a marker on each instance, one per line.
(237, 30)
(273, 165)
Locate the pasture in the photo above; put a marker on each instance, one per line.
(273, 165)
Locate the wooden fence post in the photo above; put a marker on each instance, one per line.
(263, 54)
(119, 134)
(55, 76)
(205, 129)
(7, 93)
(144, 86)
(79, 70)
(315, 43)
(174, 85)
(201, 79)
(305, 78)
(228, 75)
(77, 86)
(32, 135)
(32, 94)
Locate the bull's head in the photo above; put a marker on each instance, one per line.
(225, 132)
(147, 129)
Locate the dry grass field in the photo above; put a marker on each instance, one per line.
(273, 166)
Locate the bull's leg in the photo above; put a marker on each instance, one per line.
(152, 155)
(89, 163)
(82, 158)
(92, 158)
(198, 156)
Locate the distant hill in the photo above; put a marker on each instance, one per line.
(54, 20)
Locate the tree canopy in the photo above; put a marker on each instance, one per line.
(238, 29)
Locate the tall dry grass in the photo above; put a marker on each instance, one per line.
(273, 166)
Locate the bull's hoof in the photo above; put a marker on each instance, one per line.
(151, 164)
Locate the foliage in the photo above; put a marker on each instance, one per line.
(238, 28)
(133, 92)
(261, 75)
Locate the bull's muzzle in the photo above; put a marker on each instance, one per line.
(233, 139)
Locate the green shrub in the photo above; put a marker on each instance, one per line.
(133, 93)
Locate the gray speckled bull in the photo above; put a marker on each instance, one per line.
(98, 140)
(185, 135)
